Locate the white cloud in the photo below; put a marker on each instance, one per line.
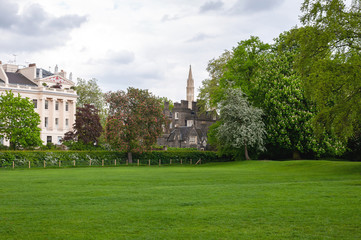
(144, 44)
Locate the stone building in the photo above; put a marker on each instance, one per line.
(188, 125)
(51, 93)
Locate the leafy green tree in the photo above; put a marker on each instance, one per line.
(288, 114)
(165, 99)
(211, 93)
(18, 121)
(135, 120)
(329, 63)
(233, 69)
(242, 124)
(90, 93)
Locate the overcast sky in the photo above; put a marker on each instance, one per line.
(138, 43)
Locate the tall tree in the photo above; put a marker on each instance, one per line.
(233, 69)
(90, 93)
(288, 114)
(330, 62)
(241, 125)
(87, 126)
(135, 120)
(19, 121)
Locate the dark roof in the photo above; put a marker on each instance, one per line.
(45, 73)
(183, 131)
(17, 78)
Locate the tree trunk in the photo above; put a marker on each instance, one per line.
(246, 151)
(296, 155)
(130, 157)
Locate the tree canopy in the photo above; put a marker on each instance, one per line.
(329, 63)
(87, 126)
(135, 120)
(241, 124)
(19, 121)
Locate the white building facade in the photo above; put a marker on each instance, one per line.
(54, 99)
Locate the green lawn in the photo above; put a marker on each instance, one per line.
(239, 200)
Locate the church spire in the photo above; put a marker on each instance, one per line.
(190, 88)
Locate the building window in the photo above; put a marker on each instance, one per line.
(66, 122)
(48, 139)
(190, 123)
(59, 139)
(57, 105)
(56, 121)
(66, 106)
(46, 122)
(193, 139)
(171, 125)
(35, 102)
(46, 104)
(176, 115)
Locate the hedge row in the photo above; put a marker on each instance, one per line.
(83, 158)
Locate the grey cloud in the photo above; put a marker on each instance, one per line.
(122, 57)
(252, 6)
(114, 59)
(34, 25)
(8, 14)
(199, 37)
(167, 18)
(211, 6)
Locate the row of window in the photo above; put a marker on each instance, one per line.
(46, 122)
(35, 101)
(49, 139)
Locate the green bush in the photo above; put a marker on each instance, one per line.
(82, 158)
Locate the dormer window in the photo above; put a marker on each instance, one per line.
(176, 115)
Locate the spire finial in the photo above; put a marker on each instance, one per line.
(190, 88)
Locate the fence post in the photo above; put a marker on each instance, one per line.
(181, 161)
(138, 162)
(74, 163)
(190, 162)
(149, 162)
(126, 162)
(13, 164)
(44, 163)
(102, 163)
(170, 162)
(59, 163)
(90, 162)
(160, 162)
(29, 163)
(115, 162)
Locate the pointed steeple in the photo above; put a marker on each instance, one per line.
(190, 88)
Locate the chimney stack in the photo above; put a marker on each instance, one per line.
(62, 73)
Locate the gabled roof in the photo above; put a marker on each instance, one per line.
(183, 133)
(19, 79)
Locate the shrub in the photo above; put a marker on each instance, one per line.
(82, 158)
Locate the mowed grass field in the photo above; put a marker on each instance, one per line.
(238, 200)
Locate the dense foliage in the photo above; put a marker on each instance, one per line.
(135, 120)
(82, 158)
(19, 121)
(330, 62)
(241, 124)
(87, 126)
(90, 93)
